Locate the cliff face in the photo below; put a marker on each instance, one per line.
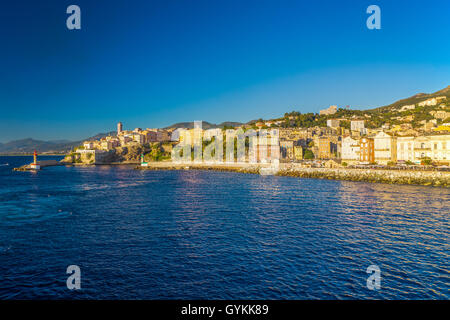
(89, 158)
(130, 154)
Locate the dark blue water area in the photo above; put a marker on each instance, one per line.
(217, 235)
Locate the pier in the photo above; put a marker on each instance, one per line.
(37, 165)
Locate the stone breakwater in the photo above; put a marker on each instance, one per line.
(244, 168)
(427, 178)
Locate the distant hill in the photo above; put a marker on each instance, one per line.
(56, 146)
(400, 112)
(414, 100)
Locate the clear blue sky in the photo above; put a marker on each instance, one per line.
(154, 63)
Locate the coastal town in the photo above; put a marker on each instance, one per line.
(343, 141)
(407, 142)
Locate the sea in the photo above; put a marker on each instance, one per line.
(137, 234)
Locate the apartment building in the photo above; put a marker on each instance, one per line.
(324, 148)
(366, 150)
(385, 147)
(350, 149)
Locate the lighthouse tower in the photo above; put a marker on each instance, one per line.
(35, 165)
(143, 163)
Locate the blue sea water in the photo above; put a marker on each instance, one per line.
(213, 235)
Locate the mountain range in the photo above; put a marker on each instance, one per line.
(56, 146)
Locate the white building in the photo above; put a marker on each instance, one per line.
(432, 101)
(408, 107)
(357, 125)
(333, 123)
(414, 149)
(440, 147)
(139, 138)
(350, 149)
(385, 147)
(405, 148)
(88, 145)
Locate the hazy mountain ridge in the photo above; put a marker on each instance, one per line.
(57, 146)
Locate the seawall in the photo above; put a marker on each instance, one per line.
(415, 177)
(427, 178)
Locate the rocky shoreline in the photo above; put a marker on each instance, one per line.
(408, 177)
(425, 178)
(413, 177)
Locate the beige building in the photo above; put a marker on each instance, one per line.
(88, 145)
(440, 114)
(350, 149)
(414, 149)
(139, 138)
(405, 148)
(333, 123)
(298, 152)
(440, 148)
(432, 101)
(385, 148)
(358, 126)
(324, 148)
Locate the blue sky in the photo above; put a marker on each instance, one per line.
(154, 63)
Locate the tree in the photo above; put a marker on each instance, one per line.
(426, 161)
(308, 154)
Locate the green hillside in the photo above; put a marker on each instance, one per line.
(375, 118)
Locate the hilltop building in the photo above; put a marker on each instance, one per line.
(328, 111)
(358, 126)
(333, 123)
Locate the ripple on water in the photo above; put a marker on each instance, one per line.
(199, 234)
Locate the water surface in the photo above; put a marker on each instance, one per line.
(214, 235)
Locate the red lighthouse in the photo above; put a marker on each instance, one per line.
(35, 165)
